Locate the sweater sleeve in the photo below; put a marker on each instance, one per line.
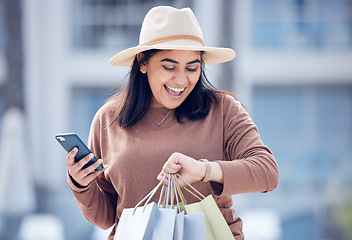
(248, 165)
(97, 201)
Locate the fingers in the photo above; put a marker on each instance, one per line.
(71, 157)
(81, 163)
(171, 167)
(161, 176)
(189, 168)
(180, 182)
(90, 176)
(76, 171)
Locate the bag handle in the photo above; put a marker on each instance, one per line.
(149, 196)
(172, 188)
(178, 189)
(194, 192)
(176, 195)
(166, 194)
(170, 193)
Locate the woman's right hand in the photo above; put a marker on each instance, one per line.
(82, 176)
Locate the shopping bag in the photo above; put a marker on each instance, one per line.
(179, 226)
(148, 222)
(136, 224)
(215, 223)
(194, 227)
(190, 226)
(164, 224)
(165, 215)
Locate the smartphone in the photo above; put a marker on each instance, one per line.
(70, 140)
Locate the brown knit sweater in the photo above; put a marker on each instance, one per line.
(135, 156)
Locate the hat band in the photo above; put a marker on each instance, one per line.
(172, 38)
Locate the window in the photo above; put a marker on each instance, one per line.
(301, 24)
(85, 103)
(2, 107)
(309, 131)
(2, 28)
(109, 24)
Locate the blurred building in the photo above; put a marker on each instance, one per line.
(293, 72)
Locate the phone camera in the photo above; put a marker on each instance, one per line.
(61, 139)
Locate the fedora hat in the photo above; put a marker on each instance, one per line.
(168, 28)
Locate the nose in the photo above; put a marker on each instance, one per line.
(181, 78)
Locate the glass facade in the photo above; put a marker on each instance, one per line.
(109, 24)
(301, 24)
(309, 130)
(310, 133)
(2, 28)
(86, 102)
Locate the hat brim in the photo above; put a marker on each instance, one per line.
(212, 55)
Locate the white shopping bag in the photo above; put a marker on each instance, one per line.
(148, 222)
(194, 227)
(136, 223)
(164, 224)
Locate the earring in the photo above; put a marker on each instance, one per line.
(143, 69)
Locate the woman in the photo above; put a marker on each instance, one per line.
(170, 119)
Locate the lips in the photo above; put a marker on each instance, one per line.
(174, 91)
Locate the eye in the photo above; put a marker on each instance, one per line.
(168, 68)
(192, 69)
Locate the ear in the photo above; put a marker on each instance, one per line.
(143, 68)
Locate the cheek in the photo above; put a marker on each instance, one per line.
(156, 84)
(156, 78)
(194, 80)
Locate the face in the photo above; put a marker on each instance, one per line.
(172, 75)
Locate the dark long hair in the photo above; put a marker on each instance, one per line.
(136, 96)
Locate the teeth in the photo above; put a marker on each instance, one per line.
(175, 89)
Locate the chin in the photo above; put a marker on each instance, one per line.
(172, 106)
(173, 103)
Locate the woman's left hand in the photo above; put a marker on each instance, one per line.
(189, 168)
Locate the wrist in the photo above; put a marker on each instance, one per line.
(211, 171)
(206, 170)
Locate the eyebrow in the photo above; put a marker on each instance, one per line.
(173, 61)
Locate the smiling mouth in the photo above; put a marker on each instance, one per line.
(174, 91)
